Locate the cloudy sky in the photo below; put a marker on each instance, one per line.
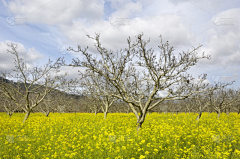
(45, 28)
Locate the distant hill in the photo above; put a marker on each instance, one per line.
(55, 93)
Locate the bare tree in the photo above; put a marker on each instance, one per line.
(221, 100)
(235, 96)
(47, 105)
(94, 104)
(98, 89)
(200, 102)
(10, 107)
(62, 102)
(32, 84)
(125, 106)
(188, 105)
(139, 74)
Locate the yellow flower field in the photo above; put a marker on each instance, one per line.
(80, 135)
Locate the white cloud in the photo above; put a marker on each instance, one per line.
(125, 9)
(72, 72)
(30, 56)
(56, 12)
(115, 37)
(223, 40)
(182, 23)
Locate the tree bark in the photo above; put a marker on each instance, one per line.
(141, 119)
(26, 116)
(219, 112)
(199, 116)
(105, 115)
(47, 114)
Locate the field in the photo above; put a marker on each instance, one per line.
(88, 136)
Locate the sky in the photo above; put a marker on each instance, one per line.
(44, 29)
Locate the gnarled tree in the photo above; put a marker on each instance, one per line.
(98, 89)
(140, 74)
(31, 84)
(221, 100)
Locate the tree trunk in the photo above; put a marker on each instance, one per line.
(141, 119)
(47, 114)
(140, 122)
(139, 125)
(105, 115)
(10, 113)
(219, 112)
(26, 116)
(228, 112)
(199, 116)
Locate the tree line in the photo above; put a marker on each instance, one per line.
(136, 79)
